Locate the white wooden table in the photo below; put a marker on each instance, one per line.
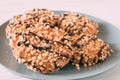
(107, 10)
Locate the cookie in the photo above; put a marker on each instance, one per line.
(30, 20)
(78, 31)
(35, 41)
(76, 27)
(38, 53)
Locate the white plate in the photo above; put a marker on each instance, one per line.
(108, 33)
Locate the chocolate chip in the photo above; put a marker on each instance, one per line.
(79, 31)
(41, 38)
(19, 43)
(10, 37)
(52, 26)
(63, 39)
(35, 47)
(46, 24)
(76, 45)
(55, 64)
(34, 9)
(74, 23)
(95, 60)
(47, 41)
(17, 60)
(84, 24)
(20, 33)
(77, 15)
(19, 22)
(34, 66)
(26, 44)
(65, 14)
(99, 54)
(27, 25)
(25, 40)
(35, 17)
(61, 21)
(56, 25)
(44, 21)
(70, 34)
(69, 25)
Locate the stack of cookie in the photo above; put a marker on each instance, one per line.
(47, 42)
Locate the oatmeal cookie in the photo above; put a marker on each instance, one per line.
(34, 39)
(30, 20)
(79, 29)
(75, 26)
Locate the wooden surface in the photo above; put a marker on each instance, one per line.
(107, 10)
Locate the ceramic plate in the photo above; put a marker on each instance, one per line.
(108, 33)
